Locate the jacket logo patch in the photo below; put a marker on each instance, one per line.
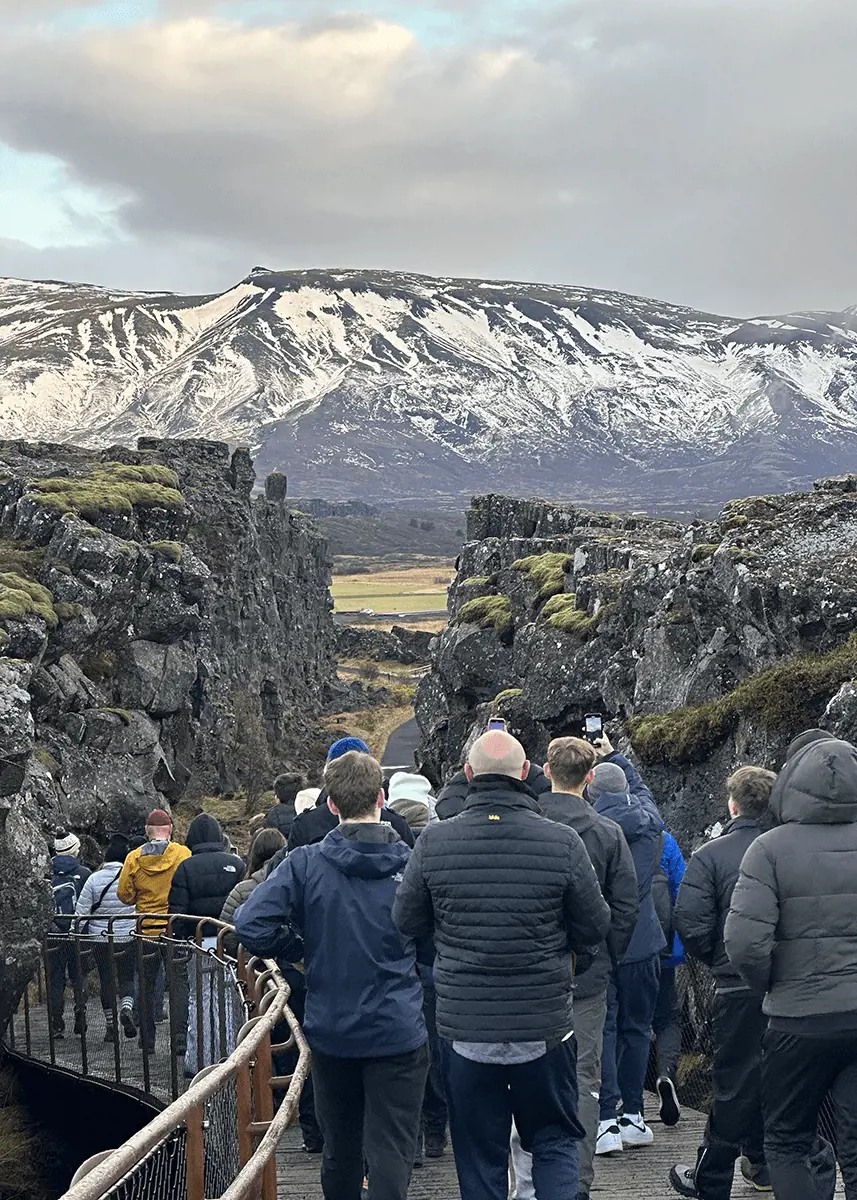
(232, 870)
(493, 817)
(398, 877)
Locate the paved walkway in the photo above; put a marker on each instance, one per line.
(402, 745)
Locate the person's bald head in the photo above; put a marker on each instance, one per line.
(497, 753)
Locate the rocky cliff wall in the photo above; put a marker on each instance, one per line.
(165, 633)
(706, 646)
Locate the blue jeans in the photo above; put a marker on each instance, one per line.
(541, 1096)
(631, 999)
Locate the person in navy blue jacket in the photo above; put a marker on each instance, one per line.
(617, 791)
(330, 906)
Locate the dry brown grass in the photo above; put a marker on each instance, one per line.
(410, 590)
(230, 811)
(374, 726)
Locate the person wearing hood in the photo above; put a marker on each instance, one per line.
(200, 886)
(281, 816)
(145, 882)
(791, 934)
(618, 792)
(570, 766)
(315, 824)
(68, 876)
(735, 1123)
(112, 924)
(330, 905)
(511, 898)
(410, 796)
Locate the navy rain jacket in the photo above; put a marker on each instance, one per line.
(330, 905)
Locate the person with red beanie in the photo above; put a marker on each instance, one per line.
(145, 882)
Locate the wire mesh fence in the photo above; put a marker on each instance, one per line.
(162, 1173)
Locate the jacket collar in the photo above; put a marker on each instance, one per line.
(740, 823)
(570, 804)
(500, 789)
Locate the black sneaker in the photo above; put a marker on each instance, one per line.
(757, 1175)
(313, 1146)
(682, 1180)
(670, 1113)
(80, 1023)
(435, 1147)
(126, 1020)
(59, 1033)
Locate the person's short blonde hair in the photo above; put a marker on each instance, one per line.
(750, 790)
(570, 760)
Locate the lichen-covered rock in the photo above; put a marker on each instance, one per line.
(164, 633)
(721, 639)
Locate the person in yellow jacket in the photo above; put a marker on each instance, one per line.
(145, 882)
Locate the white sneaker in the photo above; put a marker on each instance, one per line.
(634, 1131)
(609, 1140)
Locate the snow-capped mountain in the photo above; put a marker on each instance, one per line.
(384, 385)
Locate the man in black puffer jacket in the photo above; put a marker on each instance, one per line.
(735, 1122)
(510, 897)
(792, 935)
(203, 881)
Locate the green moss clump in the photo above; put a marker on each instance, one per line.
(781, 699)
(67, 612)
(488, 612)
(736, 522)
(112, 488)
(547, 571)
(748, 557)
(559, 604)
(171, 550)
(479, 581)
(21, 598)
(47, 760)
(506, 695)
(122, 713)
(703, 550)
(23, 558)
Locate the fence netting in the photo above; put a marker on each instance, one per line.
(162, 1173)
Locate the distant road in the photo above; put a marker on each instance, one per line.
(402, 746)
(402, 618)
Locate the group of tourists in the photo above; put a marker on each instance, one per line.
(500, 962)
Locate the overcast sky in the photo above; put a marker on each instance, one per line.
(700, 151)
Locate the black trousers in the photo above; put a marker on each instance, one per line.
(435, 1112)
(735, 1125)
(117, 958)
(369, 1106)
(174, 959)
(797, 1074)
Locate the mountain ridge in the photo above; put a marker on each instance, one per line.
(381, 385)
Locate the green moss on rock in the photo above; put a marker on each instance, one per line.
(559, 604)
(171, 550)
(488, 612)
(475, 581)
(547, 571)
(781, 699)
(736, 522)
(21, 598)
(67, 612)
(703, 550)
(506, 695)
(110, 488)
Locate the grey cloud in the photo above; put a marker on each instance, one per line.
(703, 151)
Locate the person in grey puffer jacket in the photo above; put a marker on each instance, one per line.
(618, 792)
(114, 950)
(792, 934)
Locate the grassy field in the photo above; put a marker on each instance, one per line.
(417, 589)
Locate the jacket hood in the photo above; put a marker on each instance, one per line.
(65, 864)
(404, 786)
(205, 834)
(574, 809)
(158, 856)
(364, 850)
(629, 814)
(818, 786)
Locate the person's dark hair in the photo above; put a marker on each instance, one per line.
(117, 848)
(264, 846)
(570, 760)
(750, 789)
(353, 783)
(287, 786)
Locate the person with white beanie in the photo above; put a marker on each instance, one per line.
(68, 875)
(410, 796)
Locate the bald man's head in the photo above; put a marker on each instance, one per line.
(497, 753)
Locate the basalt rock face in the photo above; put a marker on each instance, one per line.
(408, 646)
(738, 633)
(165, 634)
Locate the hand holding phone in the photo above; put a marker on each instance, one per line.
(593, 727)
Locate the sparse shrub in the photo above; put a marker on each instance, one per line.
(171, 550)
(99, 665)
(21, 598)
(488, 612)
(782, 699)
(547, 571)
(369, 671)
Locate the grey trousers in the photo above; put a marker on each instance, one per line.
(589, 1016)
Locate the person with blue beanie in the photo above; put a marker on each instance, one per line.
(313, 826)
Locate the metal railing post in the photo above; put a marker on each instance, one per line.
(195, 1152)
(263, 1097)
(244, 1094)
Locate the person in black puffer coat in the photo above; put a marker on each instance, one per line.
(199, 888)
(450, 801)
(281, 816)
(203, 881)
(735, 1124)
(510, 898)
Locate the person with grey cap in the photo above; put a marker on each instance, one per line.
(618, 792)
(68, 875)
